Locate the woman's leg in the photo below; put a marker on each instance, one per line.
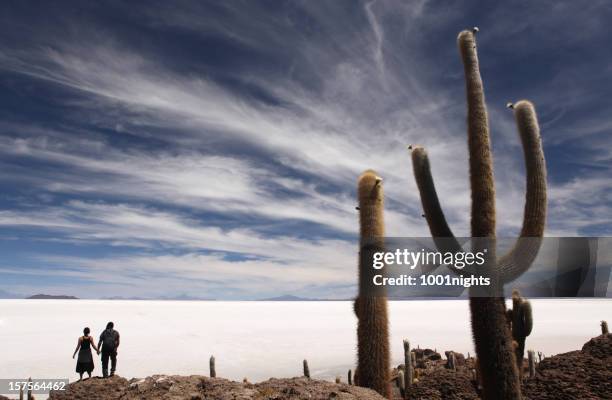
(80, 376)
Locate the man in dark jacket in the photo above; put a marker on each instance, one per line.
(108, 344)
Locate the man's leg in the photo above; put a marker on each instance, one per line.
(105, 356)
(113, 358)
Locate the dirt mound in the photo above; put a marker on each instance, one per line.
(599, 347)
(94, 389)
(442, 383)
(435, 381)
(583, 374)
(160, 387)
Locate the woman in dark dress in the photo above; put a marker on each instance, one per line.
(85, 360)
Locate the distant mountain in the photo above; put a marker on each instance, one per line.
(51, 297)
(185, 297)
(173, 298)
(288, 297)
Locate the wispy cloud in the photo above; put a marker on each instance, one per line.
(241, 130)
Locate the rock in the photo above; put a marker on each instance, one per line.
(427, 354)
(460, 358)
(424, 357)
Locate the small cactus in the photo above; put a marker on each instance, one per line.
(350, 377)
(29, 394)
(540, 356)
(213, 371)
(604, 328)
(337, 379)
(306, 369)
(531, 358)
(408, 365)
(451, 360)
(401, 382)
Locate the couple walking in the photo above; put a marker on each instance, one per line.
(107, 345)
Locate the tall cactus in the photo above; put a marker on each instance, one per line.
(521, 321)
(500, 377)
(371, 308)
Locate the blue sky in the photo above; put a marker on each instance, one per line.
(211, 149)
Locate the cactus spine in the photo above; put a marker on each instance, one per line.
(213, 371)
(604, 328)
(521, 319)
(306, 369)
(500, 377)
(371, 308)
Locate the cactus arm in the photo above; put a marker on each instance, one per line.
(518, 260)
(429, 198)
(441, 233)
(481, 160)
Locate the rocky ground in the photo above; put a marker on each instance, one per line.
(160, 387)
(581, 374)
